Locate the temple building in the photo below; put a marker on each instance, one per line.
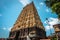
(28, 25)
(57, 30)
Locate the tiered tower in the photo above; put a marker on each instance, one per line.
(28, 25)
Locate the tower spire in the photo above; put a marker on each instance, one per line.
(28, 18)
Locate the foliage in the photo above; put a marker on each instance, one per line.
(54, 5)
(54, 39)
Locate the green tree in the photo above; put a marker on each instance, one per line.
(54, 5)
(54, 39)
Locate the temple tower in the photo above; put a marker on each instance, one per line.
(28, 25)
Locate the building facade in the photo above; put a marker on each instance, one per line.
(28, 25)
(57, 30)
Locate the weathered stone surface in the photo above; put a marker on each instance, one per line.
(28, 24)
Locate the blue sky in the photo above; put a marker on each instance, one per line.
(10, 9)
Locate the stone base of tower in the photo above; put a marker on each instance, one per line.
(34, 38)
(34, 33)
(29, 39)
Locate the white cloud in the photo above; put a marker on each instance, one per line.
(53, 21)
(0, 14)
(8, 29)
(48, 27)
(24, 2)
(47, 10)
(4, 28)
(41, 3)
